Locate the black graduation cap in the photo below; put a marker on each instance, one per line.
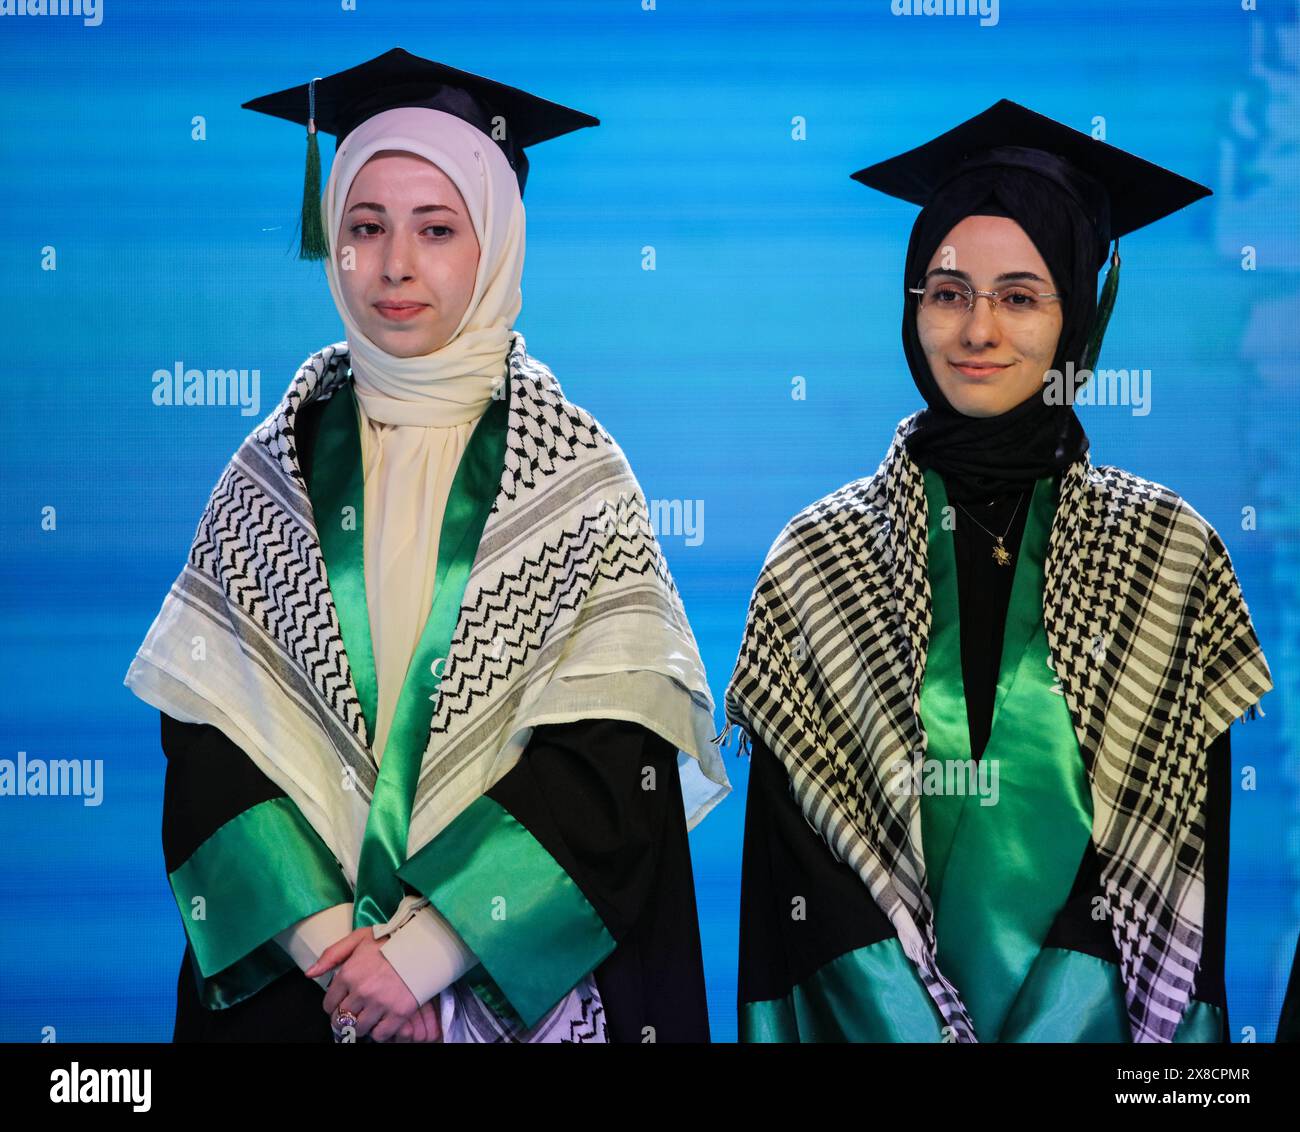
(1139, 193)
(1119, 191)
(339, 103)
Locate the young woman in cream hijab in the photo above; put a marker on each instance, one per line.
(515, 863)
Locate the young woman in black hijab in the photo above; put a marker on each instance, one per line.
(987, 689)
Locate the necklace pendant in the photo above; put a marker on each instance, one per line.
(1001, 555)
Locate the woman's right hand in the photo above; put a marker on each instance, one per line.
(422, 1026)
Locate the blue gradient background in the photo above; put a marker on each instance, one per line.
(771, 263)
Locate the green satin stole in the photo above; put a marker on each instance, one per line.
(337, 493)
(999, 874)
(553, 936)
(1002, 838)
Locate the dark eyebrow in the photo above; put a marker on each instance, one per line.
(373, 207)
(1005, 277)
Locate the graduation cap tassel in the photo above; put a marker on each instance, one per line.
(1105, 305)
(313, 231)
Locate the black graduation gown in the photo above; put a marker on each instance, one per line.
(785, 859)
(578, 790)
(1288, 1020)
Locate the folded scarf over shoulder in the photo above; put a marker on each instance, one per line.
(569, 613)
(1148, 633)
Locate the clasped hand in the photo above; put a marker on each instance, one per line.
(367, 984)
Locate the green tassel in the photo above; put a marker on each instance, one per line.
(313, 231)
(1105, 305)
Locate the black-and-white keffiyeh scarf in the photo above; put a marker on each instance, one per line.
(1148, 633)
(465, 1018)
(569, 613)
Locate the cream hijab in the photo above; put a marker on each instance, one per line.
(417, 414)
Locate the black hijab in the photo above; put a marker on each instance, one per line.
(983, 456)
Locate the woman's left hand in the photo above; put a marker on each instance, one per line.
(422, 1026)
(365, 984)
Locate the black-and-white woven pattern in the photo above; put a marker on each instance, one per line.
(532, 591)
(577, 1019)
(570, 612)
(568, 562)
(829, 676)
(257, 540)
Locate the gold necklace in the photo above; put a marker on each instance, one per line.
(1001, 555)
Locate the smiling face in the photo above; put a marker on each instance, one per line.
(414, 254)
(986, 363)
